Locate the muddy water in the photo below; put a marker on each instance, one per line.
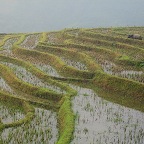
(41, 130)
(103, 122)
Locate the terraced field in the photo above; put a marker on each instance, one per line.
(75, 86)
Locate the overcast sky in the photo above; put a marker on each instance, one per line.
(46, 15)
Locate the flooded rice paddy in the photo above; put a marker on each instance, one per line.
(97, 121)
(47, 69)
(7, 46)
(103, 122)
(5, 87)
(42, 129)
(52, 39)
(110, 68)
(30, 41)
(9, 114)
(26, 76)
(76, 64)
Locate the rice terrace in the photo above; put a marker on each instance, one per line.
(74, 86)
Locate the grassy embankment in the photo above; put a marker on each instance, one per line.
(83, 46)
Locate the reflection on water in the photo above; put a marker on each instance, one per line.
(46, 15)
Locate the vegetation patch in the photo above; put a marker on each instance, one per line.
(72, 86)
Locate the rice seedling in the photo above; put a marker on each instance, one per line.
(112, 69)
(31, 41)
(76, 64)
(7, 47)
(47, 69)
(26, 76)
(103, 121)
(9, 114)
(55, 38)
(5, 87)
(62, 74)
(52, 39)
(42, 129)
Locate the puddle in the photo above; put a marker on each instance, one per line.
(42, 129)
(103, 122)
(31, 41)
(26, 76)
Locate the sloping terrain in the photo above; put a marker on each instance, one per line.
(72, 86)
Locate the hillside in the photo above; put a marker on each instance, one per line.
(72, 86)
